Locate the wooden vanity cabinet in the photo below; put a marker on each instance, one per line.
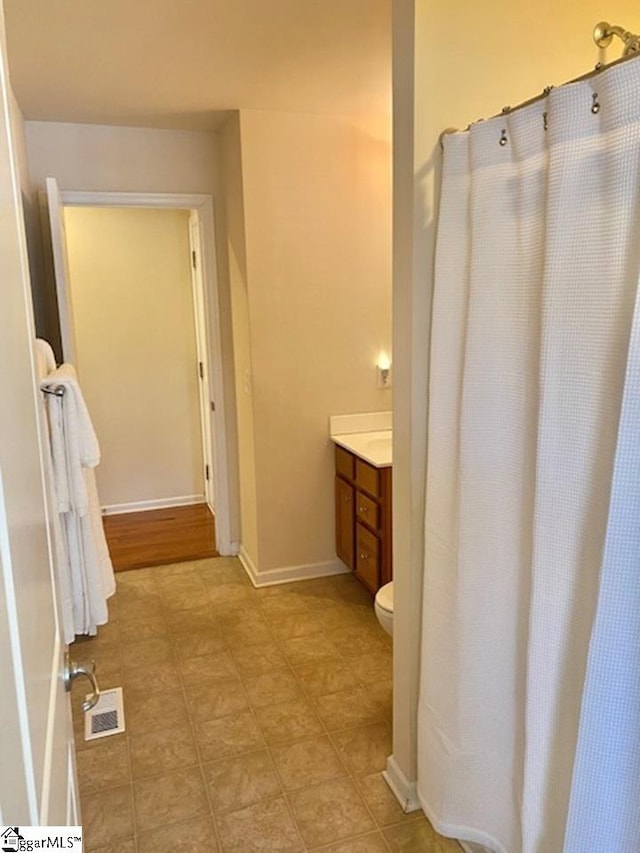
(363, 519)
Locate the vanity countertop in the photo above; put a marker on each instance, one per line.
(374, 447)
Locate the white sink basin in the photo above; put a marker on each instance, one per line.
(373, 447)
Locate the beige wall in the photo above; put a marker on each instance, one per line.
(122, 159)
(494, 54)
(131, 294)
(231, 153)
(316, 193)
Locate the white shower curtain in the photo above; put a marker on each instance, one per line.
(529, 713)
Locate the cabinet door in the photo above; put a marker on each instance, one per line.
(345, 522)
(367, 558)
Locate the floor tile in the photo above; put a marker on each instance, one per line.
(288, 721)
(240, 781)
(128, 846)
(161, 751)
(326, 676)
(288, 602)
(339, 615)
(206, 668)
(139, 607)
(187, 567)
(230, 735)
(199, 618)
(382, 804)
(216, 699)
(156, 677)
(265, 826)
(357, 641)
(195, 644)
(194, 836)
(104, 766)
(307, 762)
(221, 594)
(381, 692)
(271, 688)
(222, 569)
(373, 842)
(364, 749)
(309, 649)
(257, 667)
(148, 625)
(187, 598)
(136, 577)
(243, 627)
(347, 708)
(290, 625)
(107, 816)
(173, 797)
(330, 812)
(372, 668)
(172, 586)
(137, 655)
(254, 660)
(418, 836)
(146, 712)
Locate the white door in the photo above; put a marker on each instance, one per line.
(37, 770)
(61, 270)
(206, 403)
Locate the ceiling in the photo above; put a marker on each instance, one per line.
(185, 63)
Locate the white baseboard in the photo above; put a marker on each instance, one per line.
(287, 574)
(161, 503)
(405, 791)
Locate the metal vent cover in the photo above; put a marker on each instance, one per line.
(106, 717)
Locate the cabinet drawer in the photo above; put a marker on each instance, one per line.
(345, 463)
(368, 477)
(367, 558)
(367, 510)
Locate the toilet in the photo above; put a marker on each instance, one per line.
(384, 607)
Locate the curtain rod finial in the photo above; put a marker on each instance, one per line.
(603, 34)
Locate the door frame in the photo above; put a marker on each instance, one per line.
(202, 205)
(202, 348)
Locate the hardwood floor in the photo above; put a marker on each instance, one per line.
(155, 537)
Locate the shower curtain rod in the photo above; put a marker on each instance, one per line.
(603, 34)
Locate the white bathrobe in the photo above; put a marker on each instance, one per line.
(86, 572)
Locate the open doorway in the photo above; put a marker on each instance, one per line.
(135, 300)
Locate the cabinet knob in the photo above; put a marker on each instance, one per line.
(347, 499)
(363, 557)
(363, 509)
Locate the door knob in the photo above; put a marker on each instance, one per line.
(72, 670)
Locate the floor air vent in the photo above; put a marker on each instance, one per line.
(106, 717)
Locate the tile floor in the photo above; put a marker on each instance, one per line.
(257, 720)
